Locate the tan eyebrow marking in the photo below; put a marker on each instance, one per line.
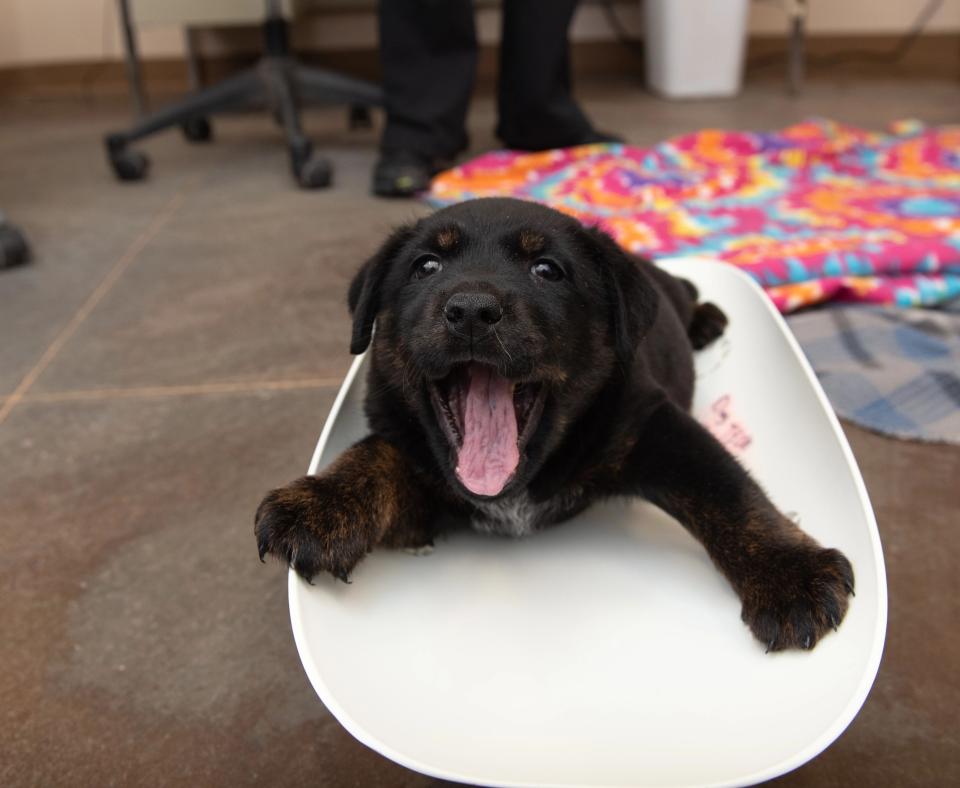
(447, 238)
(531, 241)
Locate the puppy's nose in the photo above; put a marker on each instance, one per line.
(469, 312)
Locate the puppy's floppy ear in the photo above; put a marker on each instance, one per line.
(364, 295)
(632, 299)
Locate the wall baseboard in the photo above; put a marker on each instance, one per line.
(935, 56)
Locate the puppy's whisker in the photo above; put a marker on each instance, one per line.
(502, 345)
(404, 382)
(409, 374)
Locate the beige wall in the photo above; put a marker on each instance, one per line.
(50, 31)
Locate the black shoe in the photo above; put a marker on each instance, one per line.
(589, 137)
(404, 173)
(593, 137)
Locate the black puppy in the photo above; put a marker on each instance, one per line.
(523, 367)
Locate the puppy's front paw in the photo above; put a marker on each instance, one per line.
(314, 526)
(796, 595)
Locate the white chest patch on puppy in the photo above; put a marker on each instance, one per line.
(516, 515)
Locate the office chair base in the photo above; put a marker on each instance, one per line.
(277, 81)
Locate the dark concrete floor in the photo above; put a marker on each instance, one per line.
(172, 353)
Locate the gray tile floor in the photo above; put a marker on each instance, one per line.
(172, 353)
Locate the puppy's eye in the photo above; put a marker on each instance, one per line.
(427, 266)
(547, 269)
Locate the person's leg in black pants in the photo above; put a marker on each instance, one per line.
(428, 50)
(536, 108)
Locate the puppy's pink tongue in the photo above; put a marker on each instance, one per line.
(489, 454)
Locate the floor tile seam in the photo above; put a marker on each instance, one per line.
(200, 389)
(106, 284)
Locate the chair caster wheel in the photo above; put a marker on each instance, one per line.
(128, 165)
(197, 129)
(13, 247)
(359, 117)
(315, 173)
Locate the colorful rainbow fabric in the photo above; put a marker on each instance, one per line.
(814, 212)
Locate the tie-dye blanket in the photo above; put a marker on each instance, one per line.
(814, 212)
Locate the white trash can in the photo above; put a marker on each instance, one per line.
(695, 47)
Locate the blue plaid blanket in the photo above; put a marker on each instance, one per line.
(896, 371)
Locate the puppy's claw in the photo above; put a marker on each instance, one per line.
(426, 549)
(808, 643)
(848, 586)
(772, 642)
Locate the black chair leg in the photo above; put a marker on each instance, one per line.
(321, 86)
(311, 170)
(130, 165)
(796, 67)
(327, 86)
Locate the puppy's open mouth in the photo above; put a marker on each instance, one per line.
(488, 420)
